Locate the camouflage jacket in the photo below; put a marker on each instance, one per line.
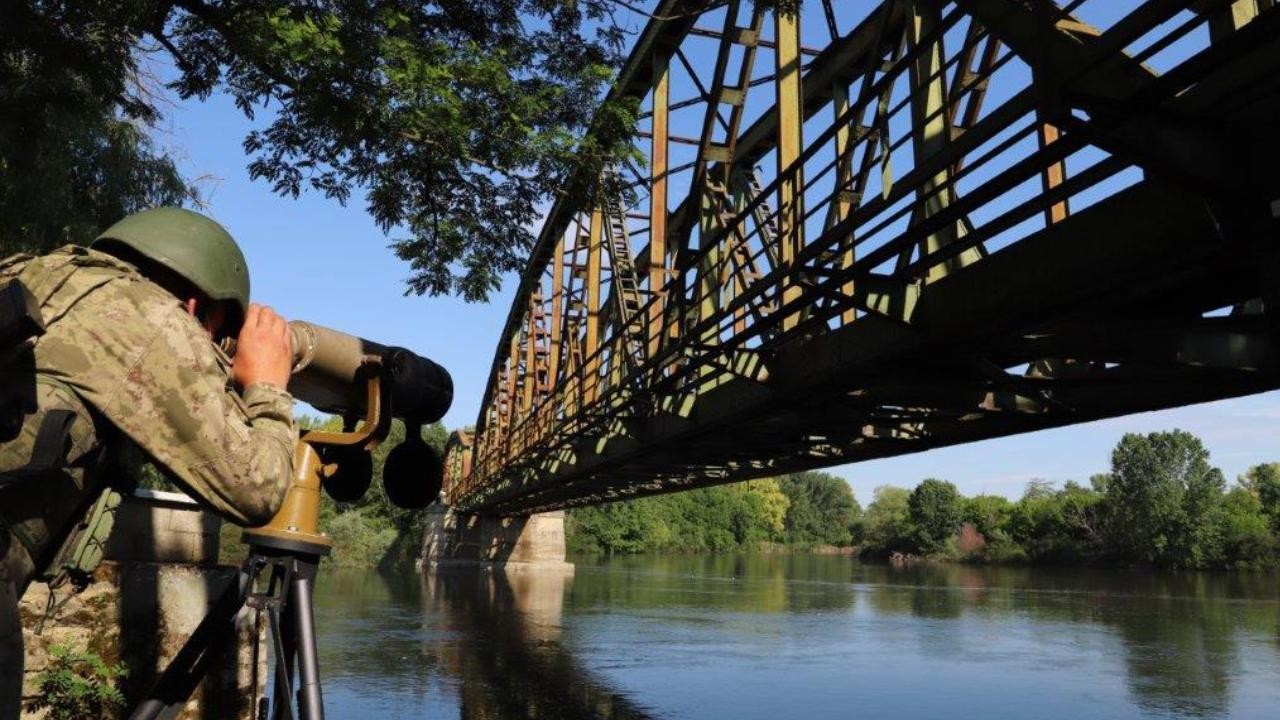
(131, 352)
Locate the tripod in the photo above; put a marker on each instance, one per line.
(289, 570)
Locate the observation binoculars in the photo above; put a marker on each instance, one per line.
(367, 384)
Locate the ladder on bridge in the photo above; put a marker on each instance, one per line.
(766, 219)
(626, 284)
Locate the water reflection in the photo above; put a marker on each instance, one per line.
(770, 636)
(1178, 631)
(471, 643)
(513, 664)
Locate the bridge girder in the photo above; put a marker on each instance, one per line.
(951, 222)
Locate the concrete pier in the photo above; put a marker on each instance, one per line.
(519, 543)
(157, 582)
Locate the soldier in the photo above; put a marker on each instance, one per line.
(128, 356)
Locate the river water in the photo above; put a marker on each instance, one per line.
(798, 636)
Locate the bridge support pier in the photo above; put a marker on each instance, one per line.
(534, 542)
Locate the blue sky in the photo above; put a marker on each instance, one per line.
(315, 260)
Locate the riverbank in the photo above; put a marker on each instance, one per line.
(1162, 504)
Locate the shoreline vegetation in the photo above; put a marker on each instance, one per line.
(1162, 504)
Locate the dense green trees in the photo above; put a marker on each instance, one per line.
(822, 510)
(713, 519)
(1160, 498)
(1054, 525)
(803, 510)
(1263, 482)
(1162, 503)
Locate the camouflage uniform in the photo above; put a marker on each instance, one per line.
(123, 354)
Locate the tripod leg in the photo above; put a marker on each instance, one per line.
(286, 645)
(310, 700)
(281, 698)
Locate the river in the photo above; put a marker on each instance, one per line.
(798, 636)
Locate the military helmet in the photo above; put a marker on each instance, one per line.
(195, 247)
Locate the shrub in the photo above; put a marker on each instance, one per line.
(78, 685)
(359, 538)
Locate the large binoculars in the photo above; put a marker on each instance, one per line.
(330, 369)
(367, 384)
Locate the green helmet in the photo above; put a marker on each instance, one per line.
(196, 248)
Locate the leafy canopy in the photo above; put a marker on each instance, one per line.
(936, 510)
(822, 509)
(1162, 495)
(75, 154)
(455, 120)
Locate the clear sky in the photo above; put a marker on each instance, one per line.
(315, 260)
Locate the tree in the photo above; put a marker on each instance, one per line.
(989, 514)
(1247, 540)
(1038, 488)
(1263, 481)
(770, 506)
(75, 155)
(887, 524)
(1062, 526)
(822, 509)
(935, 511)
(455, 120)
(1161, 499)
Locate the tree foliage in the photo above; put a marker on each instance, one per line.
(1263, 481)
(1161, 498)
(452, 121)
(802, 510)
(1161, 504)
(887, 524)
(75, 154)
(1059, 526)
(822, 510)
(935, 509)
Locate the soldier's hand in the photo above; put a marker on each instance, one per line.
(264, 352)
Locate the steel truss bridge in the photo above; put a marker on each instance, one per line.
(871, 229)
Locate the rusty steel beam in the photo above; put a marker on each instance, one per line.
(914, 270)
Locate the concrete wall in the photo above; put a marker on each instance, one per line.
(457, 538)
(156, 586)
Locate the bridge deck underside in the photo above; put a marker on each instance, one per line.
(1161, 293)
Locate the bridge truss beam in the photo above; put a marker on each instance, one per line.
(859, 236)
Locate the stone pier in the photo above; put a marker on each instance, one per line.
(160, 576)
(534, 542)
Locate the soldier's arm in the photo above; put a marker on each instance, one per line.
(233, 452)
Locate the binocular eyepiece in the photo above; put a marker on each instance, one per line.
(332, 371)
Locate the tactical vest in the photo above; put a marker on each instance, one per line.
(56, 509)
